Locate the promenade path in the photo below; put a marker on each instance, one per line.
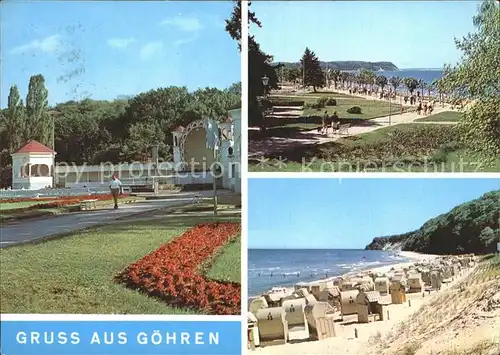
(269, 145)
(32, 230)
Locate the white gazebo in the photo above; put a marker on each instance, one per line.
(32, 167)
(193, 157)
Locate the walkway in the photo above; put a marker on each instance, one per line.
(260, 148)
(31, 230)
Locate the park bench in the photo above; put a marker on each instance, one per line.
(88, 204)
(344, 129)
(197, 198)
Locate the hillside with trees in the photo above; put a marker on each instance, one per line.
(472, 227)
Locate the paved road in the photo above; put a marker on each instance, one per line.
(31, 230)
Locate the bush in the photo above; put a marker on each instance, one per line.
(321, 102)
(354, 110)
(284, 101)
(438, 157)
(331, 102)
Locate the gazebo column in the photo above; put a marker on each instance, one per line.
(176, 149)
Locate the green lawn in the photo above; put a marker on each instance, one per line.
(76, 274)
(447, 116)
(369, 108)
(226, 265)
(24, 204)
(399, 148)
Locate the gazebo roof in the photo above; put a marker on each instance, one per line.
(34, 147)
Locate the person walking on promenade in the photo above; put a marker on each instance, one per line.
(324, 124)
(115, 186)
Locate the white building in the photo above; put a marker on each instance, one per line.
(192, 162)
(32, 166)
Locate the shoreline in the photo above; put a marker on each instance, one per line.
(413, 258)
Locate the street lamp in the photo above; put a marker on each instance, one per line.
(265, 81)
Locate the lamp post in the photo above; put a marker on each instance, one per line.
(390, 110)
(155, 159)
(52, 114)
(265, 82)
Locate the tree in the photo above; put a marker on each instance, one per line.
(411, 84)
(141, 137)
(395, 82)
(311, 70)
(38, 122)
(421, 85)
(477, 77)
(14, 119)
(291, 74)
(381, 81)
(259, 64)
(336, 76)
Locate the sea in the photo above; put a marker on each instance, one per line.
(427, 75)
(268, 268)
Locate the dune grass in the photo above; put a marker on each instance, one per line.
(432, 317)
(76, 274)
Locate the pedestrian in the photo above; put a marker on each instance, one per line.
(419, 108)
(324, 125)
(115, 186)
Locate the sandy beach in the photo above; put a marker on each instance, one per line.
(412, 256)
(393, 336)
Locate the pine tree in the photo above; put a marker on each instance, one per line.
(312, 74)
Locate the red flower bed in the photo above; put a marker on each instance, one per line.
(61, 202)
(172, 271)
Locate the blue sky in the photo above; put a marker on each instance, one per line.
(411, 34)
(103, 49)
(348, 213)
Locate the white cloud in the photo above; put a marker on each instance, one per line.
(151, 49)
(48, 44)
(121, 43)
(186, 40)
(186, 24)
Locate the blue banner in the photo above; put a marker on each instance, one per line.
(120, 337)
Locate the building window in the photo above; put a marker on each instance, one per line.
(25, 170)
(40, 170)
